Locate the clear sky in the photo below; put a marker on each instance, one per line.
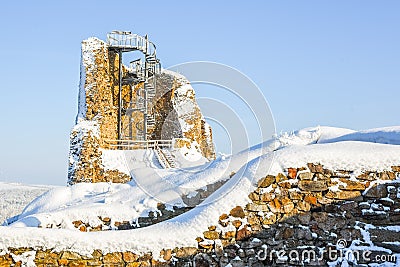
(330, 63)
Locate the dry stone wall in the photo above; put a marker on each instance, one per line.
(310, 210)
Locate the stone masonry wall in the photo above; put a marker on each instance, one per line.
(97, 116)
(176, 109)
(310, 209)
(98, 113)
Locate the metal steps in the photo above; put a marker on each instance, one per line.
(142, 70)
(169, 158)
(151, 120)
(165, 158)
(131, 42)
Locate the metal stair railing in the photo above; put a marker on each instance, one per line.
(161, 158)
(164, 158)
(125, 39)
(137, 144)
(138, 72)
(168, 157)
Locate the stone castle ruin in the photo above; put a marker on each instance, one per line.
(309, 214)
(135, 106)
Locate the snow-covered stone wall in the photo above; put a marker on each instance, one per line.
(310, 216)
(176, 111)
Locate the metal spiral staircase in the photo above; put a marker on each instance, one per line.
(141, 75)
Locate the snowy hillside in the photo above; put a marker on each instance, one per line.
(14, 197)
(337, 149)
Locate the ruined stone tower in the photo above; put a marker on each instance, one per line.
(109, 114)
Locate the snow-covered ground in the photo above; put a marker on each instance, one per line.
(14, 197)
(151, 184)
(335, 148)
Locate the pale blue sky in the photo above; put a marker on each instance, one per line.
(330, 63)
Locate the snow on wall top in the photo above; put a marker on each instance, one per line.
(88, 64)
(296, 149)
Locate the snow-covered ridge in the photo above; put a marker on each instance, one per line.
(335, 148)
(324, 134)
(179, 76)
(386, 135)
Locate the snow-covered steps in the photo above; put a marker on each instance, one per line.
(169, 158)
(165, 158)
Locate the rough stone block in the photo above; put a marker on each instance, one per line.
(257, 207)
(310, 199)
(69, 255)
(211, 235)
(228, 234)
(266, 181)
(295, 195)
(280, 178)
(266, 197)
(185, 252)
(315, 168)
(350, 185)
(113, 258)
(303, 206)
(270, 219)
(343, 195)
(237, 212)
(254, 196)
(313, 186)
(275, 206)
(305, 175)
(129, 256)
(378, 191)
(243, 233)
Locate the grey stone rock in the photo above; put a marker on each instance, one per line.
(305, 175)
(379, 191)
(313, 186)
